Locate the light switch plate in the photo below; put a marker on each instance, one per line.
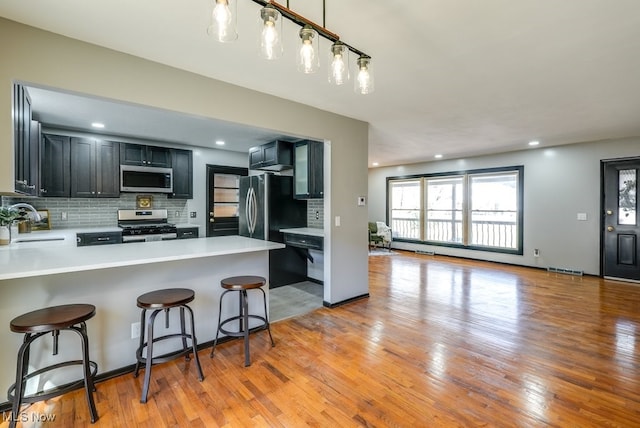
(337, 221)
(582, 216)
(362, 201)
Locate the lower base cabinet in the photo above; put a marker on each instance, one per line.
(188, 232)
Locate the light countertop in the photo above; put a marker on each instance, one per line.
(309, 231)
(28, 259)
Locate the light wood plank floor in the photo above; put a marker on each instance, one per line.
(440, 342)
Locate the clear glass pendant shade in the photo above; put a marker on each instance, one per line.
(308, 58)
(223, 21)
(270, 33)
(364, 82)
(338, 64)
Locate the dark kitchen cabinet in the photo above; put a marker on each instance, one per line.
(94, 168)
(98, 238)
(143, 155)
(26, 143)
(308, 170)
(182, 161)
(274, 156)
(188, 232)
(55, 166)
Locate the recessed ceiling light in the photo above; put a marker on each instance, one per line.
(438, 156)
(534, 143)
(375, 164)
(219, 143)
(97, 125)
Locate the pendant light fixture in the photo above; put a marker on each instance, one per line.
(308, 58)
(223, 21)
(338, 63)
(364, 83)
(223, 28)
(270, 40)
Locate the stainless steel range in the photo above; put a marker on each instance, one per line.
(146, 225)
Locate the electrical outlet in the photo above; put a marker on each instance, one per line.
(192, 214)
(177, 213)
(317, 215)
(135, 330)
(63, 215)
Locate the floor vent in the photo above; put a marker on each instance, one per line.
(427, 253)
(564, 270)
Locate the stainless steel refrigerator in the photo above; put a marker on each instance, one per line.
(266, 206)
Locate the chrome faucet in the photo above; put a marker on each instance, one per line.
(36, 216)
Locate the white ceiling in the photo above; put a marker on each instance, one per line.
(456, 77)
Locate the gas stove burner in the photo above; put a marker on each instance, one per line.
(145, 225)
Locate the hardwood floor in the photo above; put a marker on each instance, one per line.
(440, 342)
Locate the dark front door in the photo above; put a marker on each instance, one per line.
(620, 226)
(223, 199)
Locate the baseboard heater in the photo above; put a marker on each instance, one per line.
(566, 271)
(427, 253)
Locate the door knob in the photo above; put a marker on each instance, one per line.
(609, 212)
(610, 228)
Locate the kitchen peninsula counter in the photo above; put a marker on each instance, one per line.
(30, 259)
(35, 275)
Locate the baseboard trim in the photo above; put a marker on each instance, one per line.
(344, 302)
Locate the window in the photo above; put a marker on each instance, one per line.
(474, 209)
(405, 209)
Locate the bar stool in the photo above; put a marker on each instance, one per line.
(52, 320)
(163, 300)
(241, 284)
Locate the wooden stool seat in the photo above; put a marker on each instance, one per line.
(246, 282)
(53, 318)
(242, 284)
(162, 299)
(158, 301)
(36, 324)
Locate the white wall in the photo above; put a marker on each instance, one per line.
(559, 182)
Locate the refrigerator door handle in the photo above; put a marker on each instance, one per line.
(247, 210)
(250, 211)
(254, 211)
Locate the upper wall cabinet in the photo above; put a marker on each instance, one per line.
(308, 172)
(55, 166)
(94, 168)
(27, 141)
(182, 161)
(274, 156)
(143, 155)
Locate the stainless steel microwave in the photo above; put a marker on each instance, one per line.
(146, 179)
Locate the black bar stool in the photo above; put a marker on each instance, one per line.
(52, 320)
(241, 284)
(163, 300)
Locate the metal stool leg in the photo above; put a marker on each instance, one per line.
(215, 342)
(266, 316)
(244, 302)
(149, 362)
(194, 344)
(21, 372)
(88, 379)
(141, 342)
(183, 331)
